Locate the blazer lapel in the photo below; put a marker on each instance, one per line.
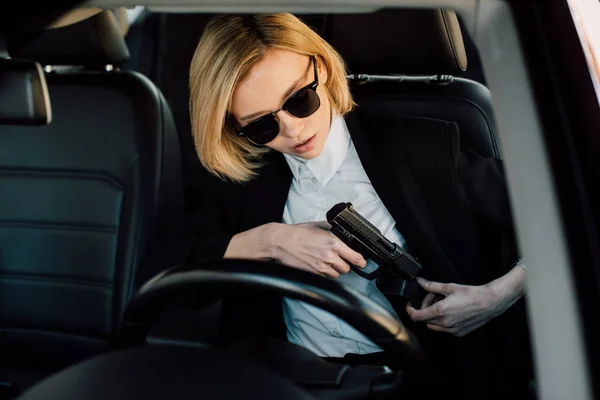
(400, 193)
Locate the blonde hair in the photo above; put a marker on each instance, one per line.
(229, 48)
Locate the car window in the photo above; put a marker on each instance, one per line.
(586, 14)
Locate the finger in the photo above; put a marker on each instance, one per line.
(435, 287)
(437, 328)
(428, 300)
(425, 314)
(338, 264)
(323, 269)
(350, 255)
(331, 273)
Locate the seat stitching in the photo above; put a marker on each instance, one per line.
(59, 226)
(60, 173)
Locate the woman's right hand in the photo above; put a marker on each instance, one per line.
(312, 247)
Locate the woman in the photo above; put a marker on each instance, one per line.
(274, 122)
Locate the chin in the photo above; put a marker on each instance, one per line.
(310, 155)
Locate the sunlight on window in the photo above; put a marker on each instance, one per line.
(586, 14)
(134, 13)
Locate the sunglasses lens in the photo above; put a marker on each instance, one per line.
(303, 104)
(263, 130)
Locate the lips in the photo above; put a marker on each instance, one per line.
(305, 146)
(302, 143)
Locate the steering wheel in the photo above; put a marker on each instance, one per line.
(154, 371)
(362, 313)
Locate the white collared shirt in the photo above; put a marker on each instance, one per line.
(336, 175)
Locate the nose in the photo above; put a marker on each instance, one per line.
(289, 126)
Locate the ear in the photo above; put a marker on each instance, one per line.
(321, 71)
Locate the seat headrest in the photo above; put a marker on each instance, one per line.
(400, 41)
(93, 42)
(24, 98)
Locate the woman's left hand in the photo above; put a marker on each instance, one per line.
(460, 309)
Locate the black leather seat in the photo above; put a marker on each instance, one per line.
(415, 65)
(83, 199)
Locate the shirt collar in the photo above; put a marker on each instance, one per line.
(325, 165)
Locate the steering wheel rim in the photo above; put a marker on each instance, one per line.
(362, 313)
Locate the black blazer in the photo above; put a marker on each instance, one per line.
(449, 203)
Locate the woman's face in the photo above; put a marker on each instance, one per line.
(268, 85)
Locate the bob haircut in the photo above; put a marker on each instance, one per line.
(228, 49)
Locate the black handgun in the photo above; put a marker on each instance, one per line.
(397, 268)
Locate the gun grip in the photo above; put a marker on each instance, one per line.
(409, 290)
(414, 293)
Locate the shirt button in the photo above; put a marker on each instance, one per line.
(335, 332)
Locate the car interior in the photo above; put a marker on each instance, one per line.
(98, 172)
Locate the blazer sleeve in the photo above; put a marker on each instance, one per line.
(205, 231)
(210, 225)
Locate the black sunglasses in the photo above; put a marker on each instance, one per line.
(301, 104)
